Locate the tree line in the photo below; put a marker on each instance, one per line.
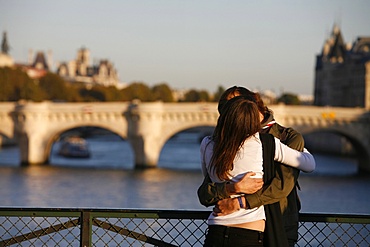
(16, 85)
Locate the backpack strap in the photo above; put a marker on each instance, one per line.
(274, 228)
(268, 147)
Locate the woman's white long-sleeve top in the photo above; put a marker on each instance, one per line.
(250, 158)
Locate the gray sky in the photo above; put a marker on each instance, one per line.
(188, 44)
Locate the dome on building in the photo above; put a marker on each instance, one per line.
(5, 60)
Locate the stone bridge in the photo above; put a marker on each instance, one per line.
(147, 126)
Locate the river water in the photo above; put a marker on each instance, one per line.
(108, 180)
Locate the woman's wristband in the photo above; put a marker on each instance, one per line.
(241, 204)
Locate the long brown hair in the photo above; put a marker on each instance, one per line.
(238, 121)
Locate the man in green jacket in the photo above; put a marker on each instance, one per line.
(282, 189)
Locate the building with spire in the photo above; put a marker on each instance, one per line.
(5, 59)
(342, 73)
(35, 68)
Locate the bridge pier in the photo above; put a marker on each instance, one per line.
(32, 130)
(146, 152)
(32, 150)
(144, 132)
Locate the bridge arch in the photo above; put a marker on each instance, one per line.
(3, 138)
(150, 125)
(54, 136)
(187, 127)
(36, 124)
(182, 149)
(6, 134)
(359, 146)
(6, 121)
(170, 133)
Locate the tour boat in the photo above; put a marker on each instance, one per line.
(74, 147)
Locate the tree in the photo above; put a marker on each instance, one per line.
(92, 95)
(113, 94)
(57, 89)
(191, 96)
(289, 99)
(15, 85)
(204, 96)
(218, 93)
(137, 90)
(7, 84)
(196, 96)
(33, 92)
(162, 92)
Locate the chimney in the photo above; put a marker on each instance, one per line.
(30, 57)
(50, 60)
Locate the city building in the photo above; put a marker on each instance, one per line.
(38, 65)
(35, 68)
(342, 73)
(80, 70)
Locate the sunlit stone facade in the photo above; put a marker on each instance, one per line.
(342, 74)
(103, 73)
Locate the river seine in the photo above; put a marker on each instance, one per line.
(108, 180)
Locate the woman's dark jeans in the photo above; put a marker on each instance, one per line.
(224, 236)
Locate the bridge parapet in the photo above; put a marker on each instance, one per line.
(188, 115)
(321, 116)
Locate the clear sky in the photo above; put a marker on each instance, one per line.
(262, 45)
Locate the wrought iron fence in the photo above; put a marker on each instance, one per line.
(119, 227)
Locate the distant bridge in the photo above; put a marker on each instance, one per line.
(148, 126)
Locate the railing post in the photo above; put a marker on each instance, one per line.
(86, 229)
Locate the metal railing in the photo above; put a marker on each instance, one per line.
(120, 227)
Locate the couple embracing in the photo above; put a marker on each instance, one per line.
(251, 209)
